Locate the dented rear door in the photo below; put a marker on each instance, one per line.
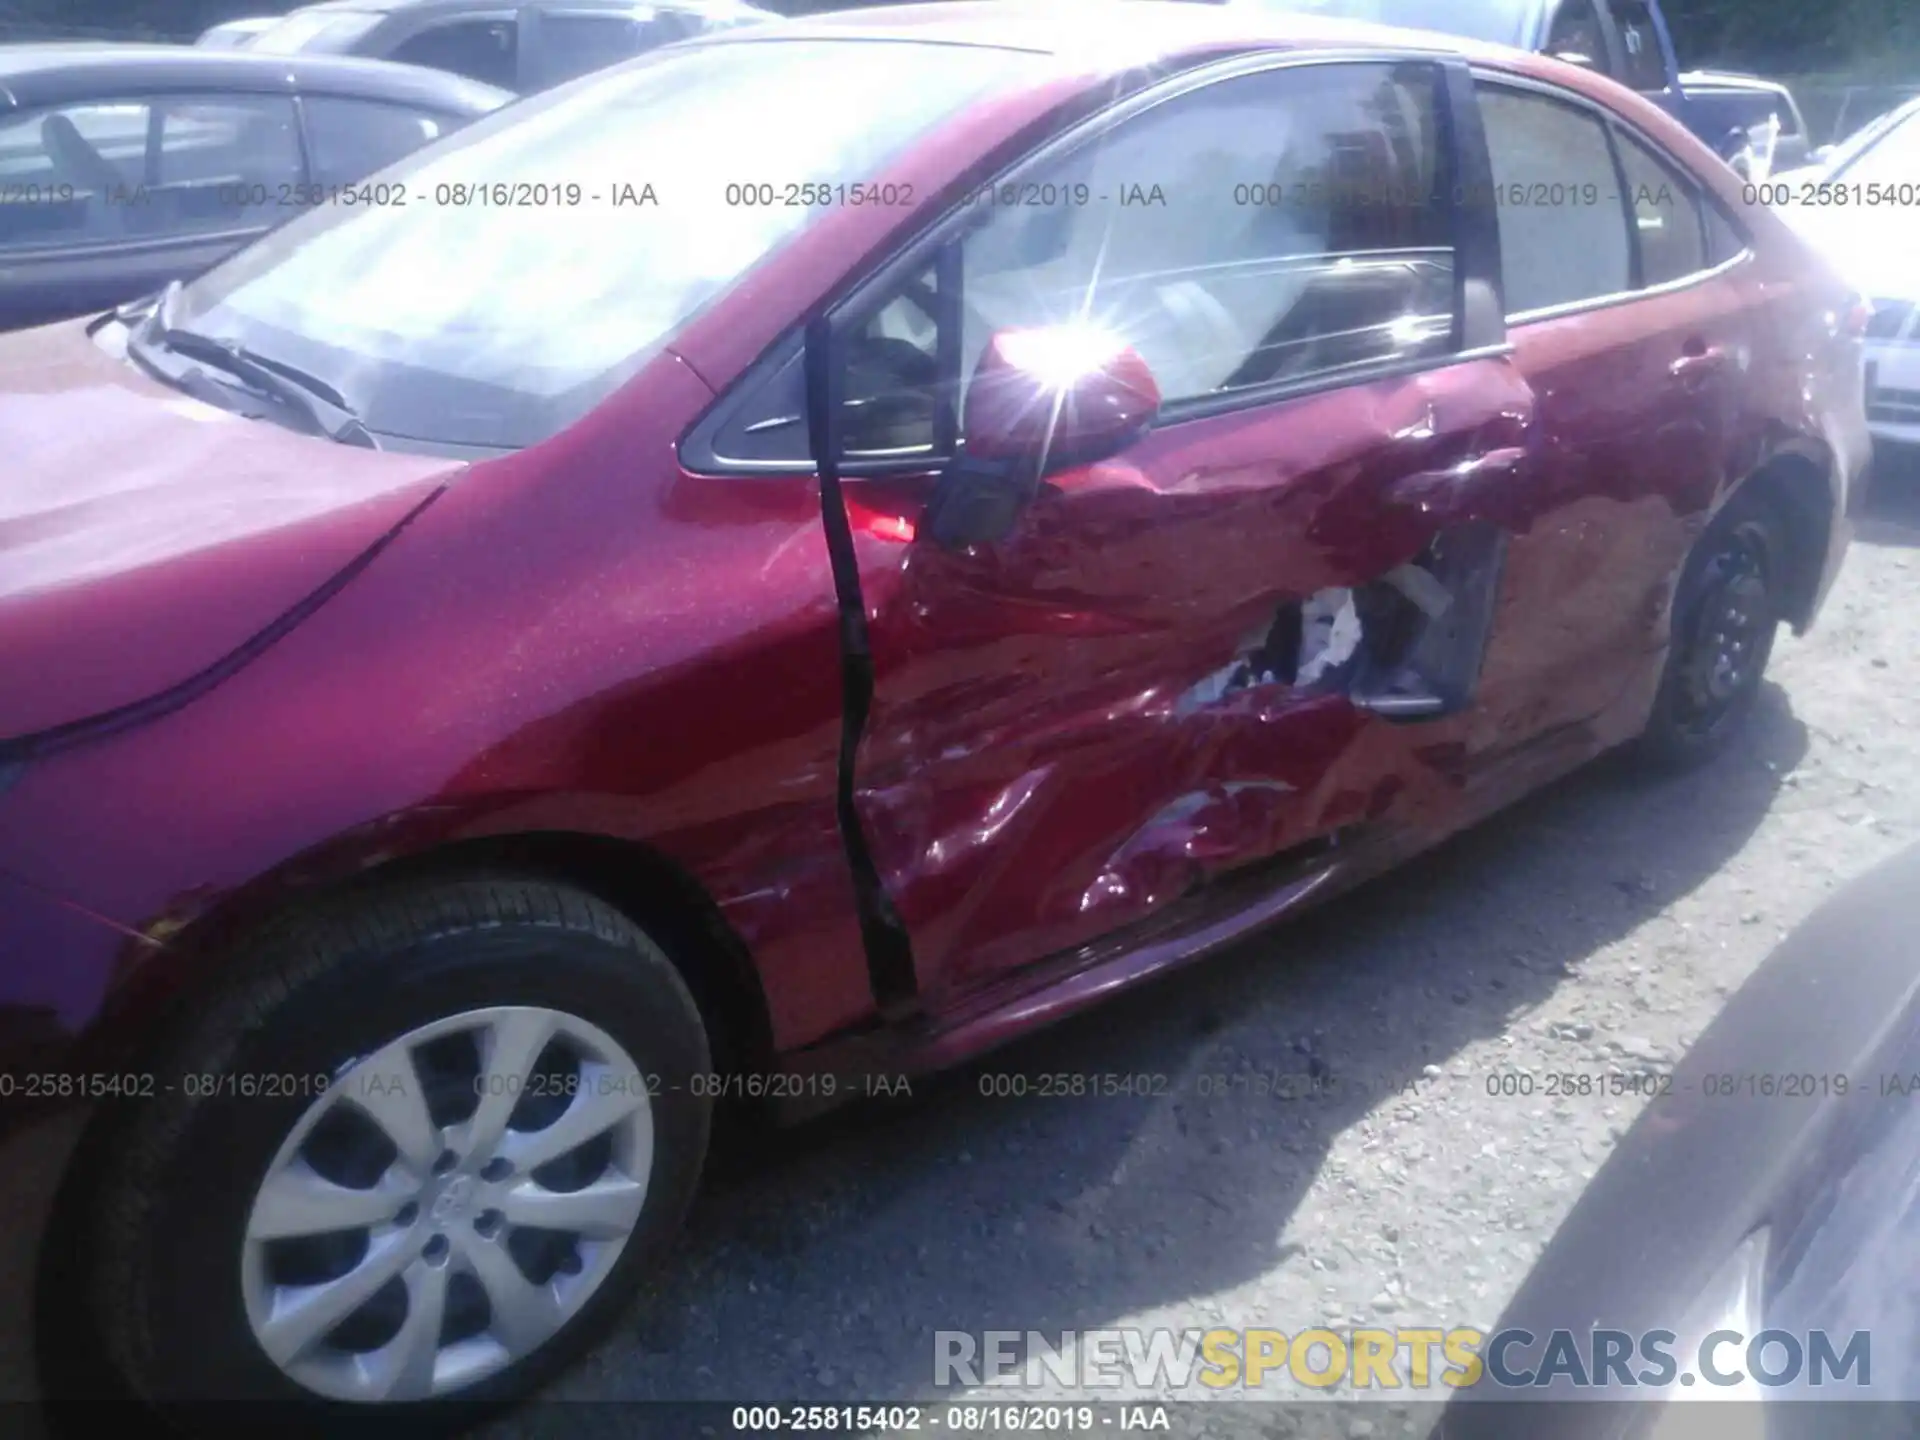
(1260, 624)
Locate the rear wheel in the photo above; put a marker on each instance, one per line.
(1727, 610)
(419, 1153)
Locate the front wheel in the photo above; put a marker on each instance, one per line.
(417, 1152)
(1726, 612)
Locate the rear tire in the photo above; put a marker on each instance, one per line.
(384, 1098)
(1727, 610)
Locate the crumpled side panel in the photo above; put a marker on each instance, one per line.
(1058, 746)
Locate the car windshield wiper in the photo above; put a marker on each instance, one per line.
(319, 404)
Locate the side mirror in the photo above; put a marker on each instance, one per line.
(1041, 401)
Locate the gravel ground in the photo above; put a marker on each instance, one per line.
(1599, 920)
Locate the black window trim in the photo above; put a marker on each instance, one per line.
(1479, 328)
(1614, 124)
(156, 101)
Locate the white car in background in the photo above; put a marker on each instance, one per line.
(232, 34)
(1862, 207)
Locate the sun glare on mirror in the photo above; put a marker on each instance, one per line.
(1061, 355)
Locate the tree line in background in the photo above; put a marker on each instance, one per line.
(1871, 38)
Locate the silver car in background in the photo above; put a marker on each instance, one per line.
(1862, 207)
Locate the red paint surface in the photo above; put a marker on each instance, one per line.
(144, 535)
(584, 639)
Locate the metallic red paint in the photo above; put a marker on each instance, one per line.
(161, 531)
(585, 639)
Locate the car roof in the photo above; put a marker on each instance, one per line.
(1732, 80)
(416, 7)
(1118, 33)
(61, 72)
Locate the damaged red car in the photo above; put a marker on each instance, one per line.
(615, 622)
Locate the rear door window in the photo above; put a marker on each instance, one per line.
(480, 49)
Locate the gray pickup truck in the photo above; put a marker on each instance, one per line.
(1625, 39)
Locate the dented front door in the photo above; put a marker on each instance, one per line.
(1075, 727)
(1260, 624)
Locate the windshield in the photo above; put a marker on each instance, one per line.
(1891, 157)
(1502, 22)
(324, 31)
(542, 255)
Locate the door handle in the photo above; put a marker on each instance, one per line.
(1700, 362)
(1480, 486)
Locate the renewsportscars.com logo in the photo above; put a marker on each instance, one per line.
(1404, 1358)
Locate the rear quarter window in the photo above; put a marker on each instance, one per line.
(1666, 209)
(1563, 231)
(350, 139)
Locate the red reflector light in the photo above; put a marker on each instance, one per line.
(880, 525)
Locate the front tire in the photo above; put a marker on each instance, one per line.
(416, 1155)
(1727, 611)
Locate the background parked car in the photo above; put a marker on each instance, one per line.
(521, 47)
(1628, 40)
(125, 166)
(1724, 104)
(1862, 208)
(231, 34)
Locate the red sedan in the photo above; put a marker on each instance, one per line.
(789, 562)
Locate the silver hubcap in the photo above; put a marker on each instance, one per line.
(448, 1204)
